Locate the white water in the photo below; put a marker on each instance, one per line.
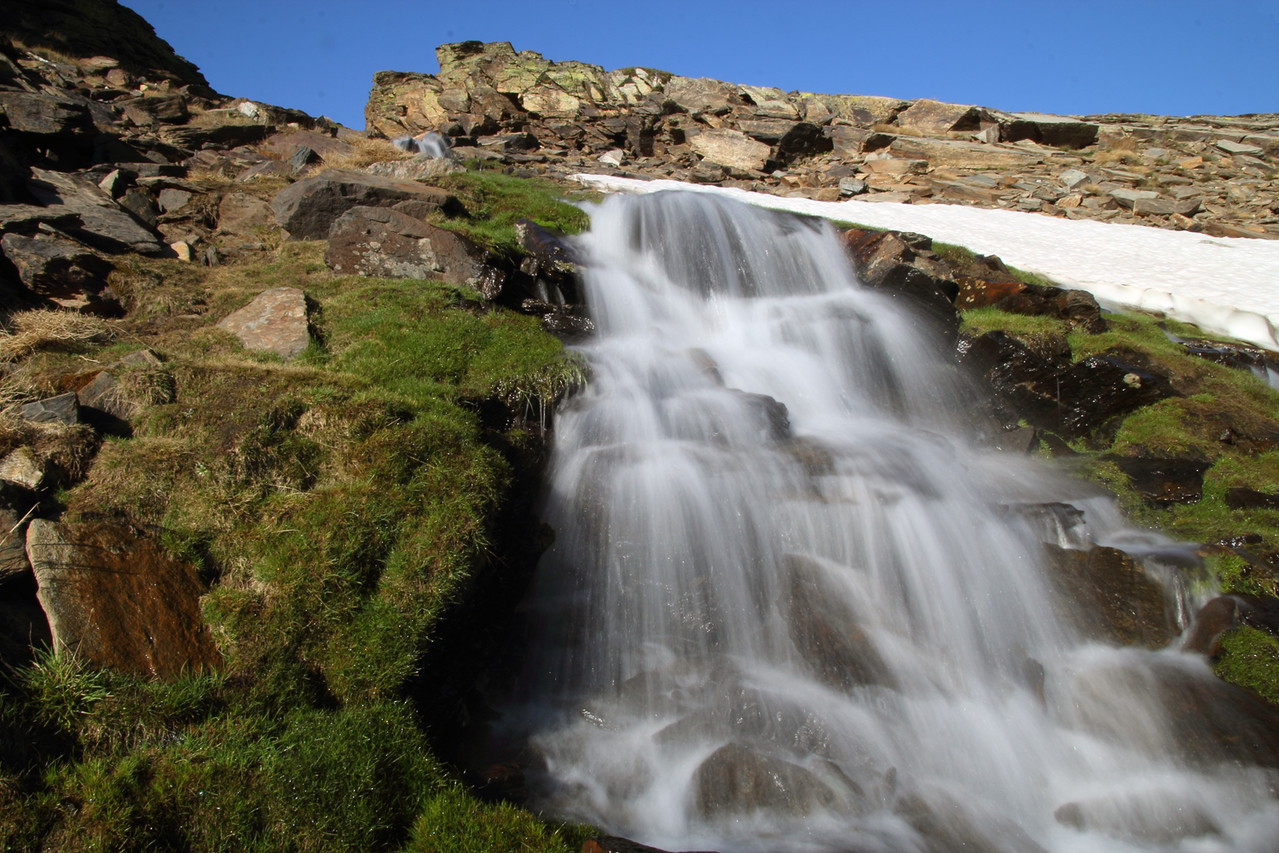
(833, 637)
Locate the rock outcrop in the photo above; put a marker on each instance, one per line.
(1214, 174)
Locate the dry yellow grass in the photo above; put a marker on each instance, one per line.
(40, 329)
(366, 152)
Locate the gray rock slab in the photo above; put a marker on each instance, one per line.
(379, 241)
(63, 408)
(55, 266)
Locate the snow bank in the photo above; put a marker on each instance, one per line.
(1226, 286)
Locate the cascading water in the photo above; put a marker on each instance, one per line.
(789, 607)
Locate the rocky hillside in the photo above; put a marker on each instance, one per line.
(1214, 174)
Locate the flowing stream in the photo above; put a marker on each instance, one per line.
(790, 606)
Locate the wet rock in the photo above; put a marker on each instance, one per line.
(945, 825)
(385, 242)
(825, 632)
(735, 779)
(307, 209)
(614, 844)
(1163, 481)
(770, 413)
(115, 599)
(1213, 619)
(1242, 498)
(1109, 595)
(1068, 399)
(275, 321)
(1153, 817)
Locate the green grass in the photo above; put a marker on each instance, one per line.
(495, 201)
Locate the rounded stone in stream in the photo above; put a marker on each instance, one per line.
(735, 779)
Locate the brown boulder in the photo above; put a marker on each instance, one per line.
(117, 600)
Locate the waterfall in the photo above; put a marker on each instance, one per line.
(791, 606)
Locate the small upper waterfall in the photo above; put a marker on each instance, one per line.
(789, 606)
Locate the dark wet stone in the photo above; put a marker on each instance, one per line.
(1162, 480)
(1241, 498)
(825, 633)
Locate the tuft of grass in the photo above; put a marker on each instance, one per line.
(41, 329)
(366, 151)
(452, 821)
(1025, 327)
(62, 688)
(1250, 658)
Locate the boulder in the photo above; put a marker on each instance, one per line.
(960, 154)
(735, 779)
(61, 409)
(387, 242)
(44, 114)
(243, 214)
(114, 598)
(308, 208)
(21, 468)
(937, 118)
(698, 95)
(275, 321)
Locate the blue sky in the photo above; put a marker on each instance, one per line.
(1074, 57)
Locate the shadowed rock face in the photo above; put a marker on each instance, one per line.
(102, 29)
(117, 600)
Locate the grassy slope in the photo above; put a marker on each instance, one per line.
(338, 505)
